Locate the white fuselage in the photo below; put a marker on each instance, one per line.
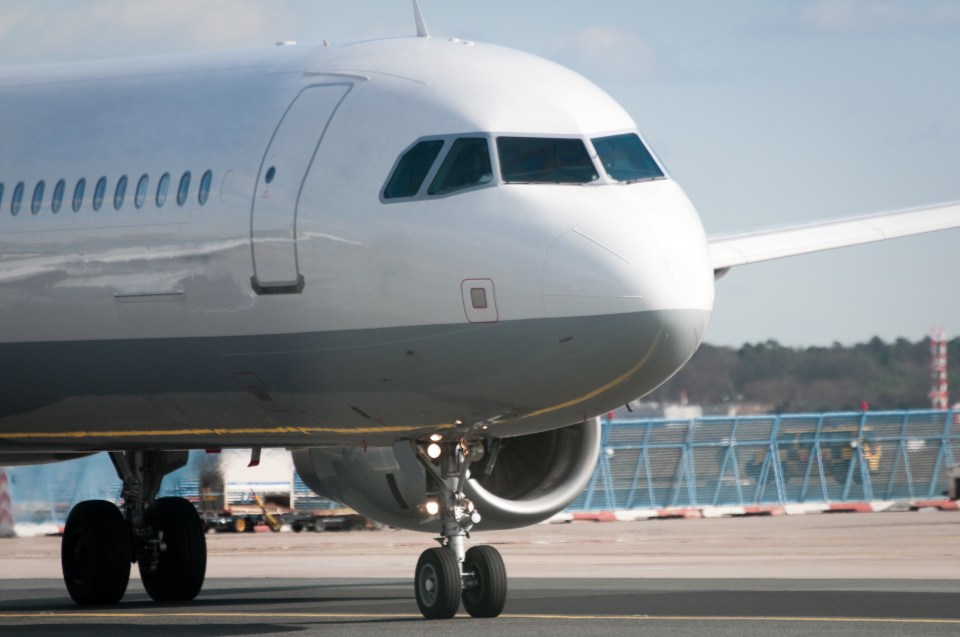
(301, 307)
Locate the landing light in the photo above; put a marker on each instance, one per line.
(434, 450)
(432, 507)
(436, 437)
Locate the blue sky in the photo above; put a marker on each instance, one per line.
(767, 113)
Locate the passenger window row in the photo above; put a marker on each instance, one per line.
(140, 195)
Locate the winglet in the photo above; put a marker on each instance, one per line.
(421, 25)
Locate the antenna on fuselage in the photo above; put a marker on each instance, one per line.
(421, 25)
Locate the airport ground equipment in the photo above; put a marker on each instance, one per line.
(953, 489)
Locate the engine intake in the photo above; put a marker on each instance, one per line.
(534, 477)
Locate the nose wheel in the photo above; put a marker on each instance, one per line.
(447, 574)
(438, 583)
(484, 582)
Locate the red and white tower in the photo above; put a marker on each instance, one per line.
(6, 507)
(938, 369)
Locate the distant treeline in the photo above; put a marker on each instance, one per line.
(883, 375)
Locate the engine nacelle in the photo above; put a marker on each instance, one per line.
(533, 478)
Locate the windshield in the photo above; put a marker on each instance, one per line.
(532, 160)
(412, 169)
(625, 158)
(466, 165)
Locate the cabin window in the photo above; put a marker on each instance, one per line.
(78, 192)
(534, 160)
(120, 193)
(141, 195)
(162, 187)
(412, 169)
(98, 193)
(17, 200)
(204, 193)
(184, 189)
(57, 200)
(625, 158)
(466, 165)
(37, 200)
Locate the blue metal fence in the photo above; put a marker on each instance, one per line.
(659, 464)
(757, 460)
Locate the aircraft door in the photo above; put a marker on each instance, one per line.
(284, 168)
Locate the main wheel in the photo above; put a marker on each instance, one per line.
(183, 565)
(437, 583)
(485, 587)
(95, 553)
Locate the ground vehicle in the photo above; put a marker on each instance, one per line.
(226, 521)
(340, 522)
(307, 522)
(953, 482)
(832, 450)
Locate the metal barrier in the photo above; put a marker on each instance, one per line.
(658, 464)
(761, 460)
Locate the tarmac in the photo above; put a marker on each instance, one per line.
(846, 574)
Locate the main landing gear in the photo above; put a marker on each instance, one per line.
(163, 536)
(447, 575)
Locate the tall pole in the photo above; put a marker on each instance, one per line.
(938, 369)
(6, 507)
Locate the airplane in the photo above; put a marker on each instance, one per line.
(424, 265)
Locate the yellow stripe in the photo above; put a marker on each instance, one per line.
(596, 392)
(307, 431)
(639, 618)
(226, 431)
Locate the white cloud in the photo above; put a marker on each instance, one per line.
(61, 31)
(851, 16)
(606, 50)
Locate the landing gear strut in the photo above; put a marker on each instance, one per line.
(163, 536)
(449, 573)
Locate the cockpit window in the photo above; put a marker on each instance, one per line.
(532, 160)
(467, 164)
(625, 158)
(412, 169)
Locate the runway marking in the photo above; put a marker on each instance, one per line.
(636, 618)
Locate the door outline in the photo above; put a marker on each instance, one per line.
(297, 285)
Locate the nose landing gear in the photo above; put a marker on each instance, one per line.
(448, 573)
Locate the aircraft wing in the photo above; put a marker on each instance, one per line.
(764, 245)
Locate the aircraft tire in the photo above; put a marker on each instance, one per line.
(95, 553)
(179, 574)
(437, 583)
(486, 595)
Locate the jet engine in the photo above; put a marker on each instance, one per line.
(519, 481)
